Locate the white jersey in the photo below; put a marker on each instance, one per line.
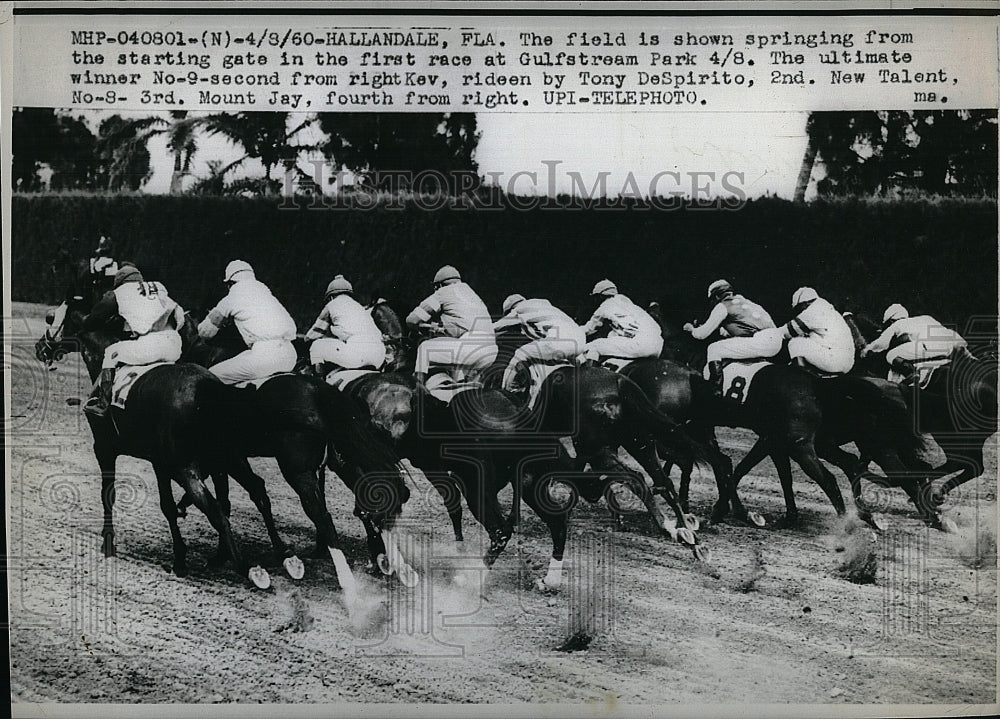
(821, 321)
(626, 318)
(144, 306)
(458, 308)
(343, 317)
(257, 314)
(540, 318)
(922, 328)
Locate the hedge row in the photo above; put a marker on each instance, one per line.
(936, 256)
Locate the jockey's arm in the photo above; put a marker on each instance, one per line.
(423, 313)
(595, 322)
(509, 320)
(881, 343)
(711, 325)
(320, 327)
(178, 316)
(215, 319)
(102, 313)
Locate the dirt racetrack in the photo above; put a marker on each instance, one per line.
(770, 620)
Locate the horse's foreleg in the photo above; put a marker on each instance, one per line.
(106, 461)
(254, 485)
(784, 467)
(556, 518)
(645, 455)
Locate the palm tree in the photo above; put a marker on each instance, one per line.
(262, 135)
(181, 143)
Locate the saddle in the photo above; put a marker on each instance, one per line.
(813, 370)
(921, 373)
(616, 364)
(737, 376)
(257, 382)
(125, 377)
(340, 378)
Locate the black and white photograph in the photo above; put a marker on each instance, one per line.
(538, 363)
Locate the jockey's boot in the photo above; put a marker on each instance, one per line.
(715, 376)
(904, 369)
(588, 359)
(100, 397)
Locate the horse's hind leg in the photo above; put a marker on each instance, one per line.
(169, 510)
(450, 489)
(804, 453)
(784, 467)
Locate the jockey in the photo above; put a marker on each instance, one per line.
(151, 321)
(102, 264)
(555, 337)
(263, 323)
(747, 328)
(910, 340)
(468, 341)
(818, 334)
(634, 334)
(344, 333)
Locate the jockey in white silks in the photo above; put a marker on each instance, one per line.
(748, 330)
(263, 323)
(818, 334)
(151, 322)
(554, 336)
(345, 334)
(468, 342)
(634, 333)
(911, 340)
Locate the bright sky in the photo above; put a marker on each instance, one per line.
(766, 147)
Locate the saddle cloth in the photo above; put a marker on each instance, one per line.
(256, 383)
(125, 377)
(538, 373)
(922, 372)
(737, 378)
(616, 364)
(340, 378)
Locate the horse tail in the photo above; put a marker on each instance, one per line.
(664, 429)
(351, 437)
(885, 417)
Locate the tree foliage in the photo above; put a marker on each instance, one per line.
(388, 150)
(42, 137)
(881, 152)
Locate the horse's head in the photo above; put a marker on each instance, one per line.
(64, 334)
(227, 343)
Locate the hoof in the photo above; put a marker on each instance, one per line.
(944, 525)
(876, 522)
(260, 578)
(294, 567)
(686, 536)
(108, 546)
(408, 576)
(702, 553)
(692, 521)
(756, 519)
(382, 562)
(180, 570)
(544, 588)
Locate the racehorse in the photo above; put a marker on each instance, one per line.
(167, 421)
(600, 411)
(958, 407)
(784, 406)
(305, 424)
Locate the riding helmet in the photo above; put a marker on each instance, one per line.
(804, 294)
(894, 312)
(446, 273)
(511, 302)
(719, 288)
(235, 267)
(604, 287)
(339, 286)
(128, 273)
